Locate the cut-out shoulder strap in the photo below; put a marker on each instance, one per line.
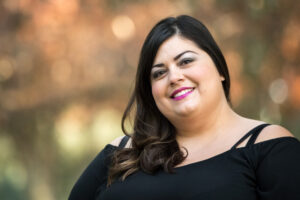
(124, 141)
(253, 133)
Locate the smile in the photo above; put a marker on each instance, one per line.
(182, 94)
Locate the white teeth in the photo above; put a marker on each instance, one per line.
(182, 92)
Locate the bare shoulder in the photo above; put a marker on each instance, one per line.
(117, 141)
(272, 132)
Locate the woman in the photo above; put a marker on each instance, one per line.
(187, 141)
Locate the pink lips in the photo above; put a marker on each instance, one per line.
(182, 96)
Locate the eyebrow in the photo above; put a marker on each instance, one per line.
(175, 58)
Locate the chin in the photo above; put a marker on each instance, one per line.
(188, 110)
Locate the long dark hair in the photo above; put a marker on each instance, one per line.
(154, 146)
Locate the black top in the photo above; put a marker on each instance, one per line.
(268, 170)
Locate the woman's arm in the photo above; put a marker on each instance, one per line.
(278, 171)
(95, 174)
(92, 177)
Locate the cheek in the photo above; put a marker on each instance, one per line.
(197, 74)
(155, 91)
(159, 95)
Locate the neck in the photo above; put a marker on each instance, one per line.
(206, 127)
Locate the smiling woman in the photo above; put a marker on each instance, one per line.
(188, 80)
(187, 141)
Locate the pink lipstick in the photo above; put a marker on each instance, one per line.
(177, 98)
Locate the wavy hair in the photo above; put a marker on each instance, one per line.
(154, 146)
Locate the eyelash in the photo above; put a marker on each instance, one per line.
(182, 62)
(186, 60)
(157, 73)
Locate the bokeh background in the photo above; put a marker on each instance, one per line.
(67, 68)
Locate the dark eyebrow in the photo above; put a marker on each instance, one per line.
(175, 58)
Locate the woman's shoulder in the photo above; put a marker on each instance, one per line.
(116, 142)
(261, 132)
(273, 142)
(269, 132)
(272, 139)
(273, 131)
(277, 163)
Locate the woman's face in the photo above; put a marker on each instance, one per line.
(184, 79)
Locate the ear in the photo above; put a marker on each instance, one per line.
(222, 78)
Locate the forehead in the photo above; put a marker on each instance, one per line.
(174, 46)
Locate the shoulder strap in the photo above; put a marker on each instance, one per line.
(254, 132)
(124, 141)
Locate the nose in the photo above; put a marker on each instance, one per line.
(175, 75)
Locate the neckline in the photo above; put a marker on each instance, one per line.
(234, 149)
(225, 152)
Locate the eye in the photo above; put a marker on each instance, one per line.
(185, 61)
(158, 73)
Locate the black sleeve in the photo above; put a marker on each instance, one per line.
(278, 173)
(92, 177)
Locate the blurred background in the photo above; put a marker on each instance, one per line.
(67, 68)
